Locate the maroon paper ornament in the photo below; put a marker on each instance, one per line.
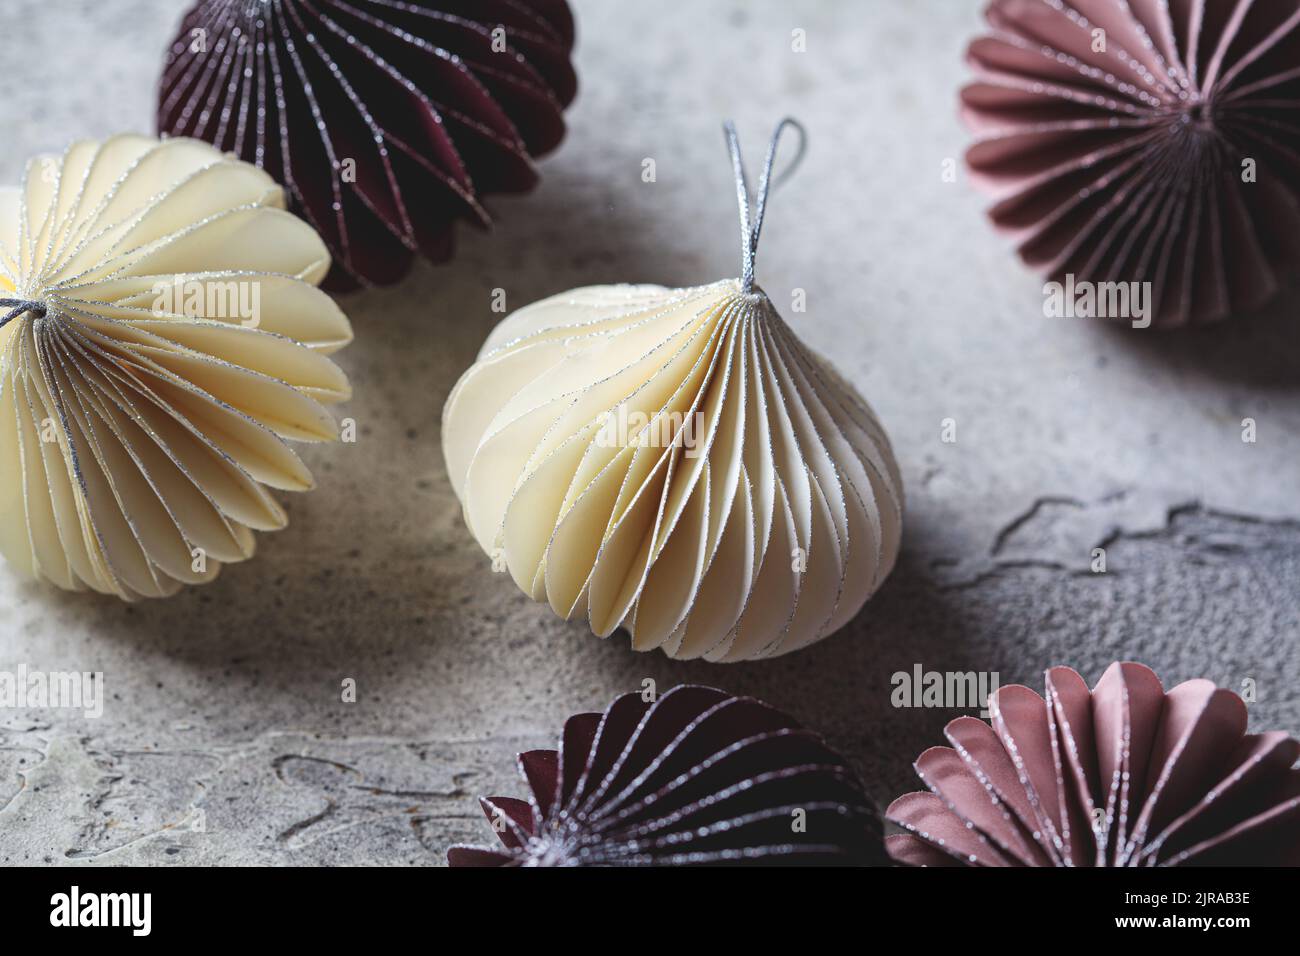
(1122, 775)
(386, 120)
(697, 777)
(1145, 142)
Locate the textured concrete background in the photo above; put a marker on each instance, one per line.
(1070, 435)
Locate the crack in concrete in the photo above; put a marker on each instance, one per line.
(355, 803)
(1006, 531)
(1057, 532)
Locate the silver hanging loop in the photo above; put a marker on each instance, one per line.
(749, 233)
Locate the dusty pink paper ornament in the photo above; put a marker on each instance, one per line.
(1122, 775)
(1144, 142)
(386, 120)
(697, 777)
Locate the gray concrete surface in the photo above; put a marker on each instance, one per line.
(1071, 435)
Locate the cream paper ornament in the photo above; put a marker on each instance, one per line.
(676, 462)
(162, 338)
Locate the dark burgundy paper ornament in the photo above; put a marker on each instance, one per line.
(1122, 775)
(698, 777)
(386, 120)
(1145, 141)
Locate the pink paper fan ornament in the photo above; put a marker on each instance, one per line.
(1122, 775)
(1145, 142)
(386, 120)
(697, 777)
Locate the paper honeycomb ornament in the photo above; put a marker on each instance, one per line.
(678, 463)
(387, 122)
(1124, 774)
(696, 777)
(164, 340)
(1145, 156)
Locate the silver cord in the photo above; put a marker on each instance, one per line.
(20, 306)
(749, 235)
